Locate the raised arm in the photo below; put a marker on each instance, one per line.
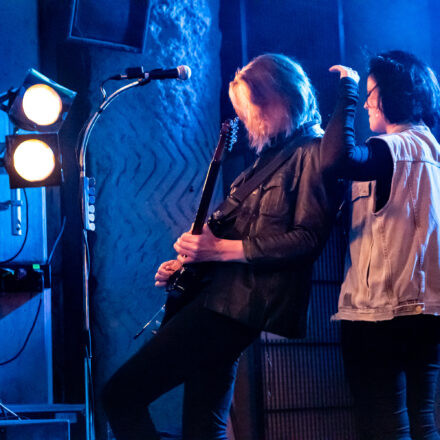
(339, 139)
(339, 152)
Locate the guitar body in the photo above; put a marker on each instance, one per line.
(183, 286)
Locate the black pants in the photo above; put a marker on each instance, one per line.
(197, 347)
(392, 368)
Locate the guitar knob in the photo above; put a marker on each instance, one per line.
(216, 214)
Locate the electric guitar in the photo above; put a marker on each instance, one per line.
(182, 286)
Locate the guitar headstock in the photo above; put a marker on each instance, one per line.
(229, 131)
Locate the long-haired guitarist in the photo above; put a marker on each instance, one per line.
(257, 260)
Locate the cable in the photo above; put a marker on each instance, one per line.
(86, 243)
(269, 369)
(27, 338)
(25, 235)
(89, 369)
(56, 241)
(101, 87)
(78, 144)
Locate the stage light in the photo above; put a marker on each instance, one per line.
(40, 104)
(33, 160)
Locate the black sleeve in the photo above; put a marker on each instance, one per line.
(367, 162)
(339, 151)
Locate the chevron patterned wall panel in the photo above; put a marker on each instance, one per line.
(149, 154)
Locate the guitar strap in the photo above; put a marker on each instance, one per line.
(235, 199)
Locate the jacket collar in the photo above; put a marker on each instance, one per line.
(311, 128)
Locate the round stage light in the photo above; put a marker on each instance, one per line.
(33, 160)
(42, 104)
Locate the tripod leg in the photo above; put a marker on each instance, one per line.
(6, 410)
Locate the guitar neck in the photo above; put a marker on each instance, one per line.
(208, 190)
(227, 136)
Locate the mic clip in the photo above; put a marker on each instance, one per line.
(131, 73)
(134, 72)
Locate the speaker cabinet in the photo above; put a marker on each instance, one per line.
(34, 430)
(121, 24)
(27, 378)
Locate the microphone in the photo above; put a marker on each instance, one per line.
(180, 72)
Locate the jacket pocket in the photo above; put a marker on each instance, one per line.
(360, 207)
(276, 197)
(360, 190)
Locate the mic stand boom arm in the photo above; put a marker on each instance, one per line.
(87, 214)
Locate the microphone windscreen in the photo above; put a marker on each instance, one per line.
(184, 72)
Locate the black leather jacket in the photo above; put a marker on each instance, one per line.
(284, 225)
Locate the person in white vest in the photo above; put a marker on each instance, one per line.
(389, 303)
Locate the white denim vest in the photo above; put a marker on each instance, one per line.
(392, 265)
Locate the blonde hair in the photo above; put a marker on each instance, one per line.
(272, 95)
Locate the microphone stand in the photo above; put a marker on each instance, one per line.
(87, 186)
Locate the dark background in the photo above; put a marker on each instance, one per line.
(149, 153)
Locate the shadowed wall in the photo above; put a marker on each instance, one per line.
(149, 172)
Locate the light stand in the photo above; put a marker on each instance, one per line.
(87, 186)
(11, 102)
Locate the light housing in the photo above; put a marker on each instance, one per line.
(40, 104)
(33, 160)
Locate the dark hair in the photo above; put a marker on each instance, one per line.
(408, 88)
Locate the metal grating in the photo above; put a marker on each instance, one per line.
(316, 424)
(305, 395)
(303, 377)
